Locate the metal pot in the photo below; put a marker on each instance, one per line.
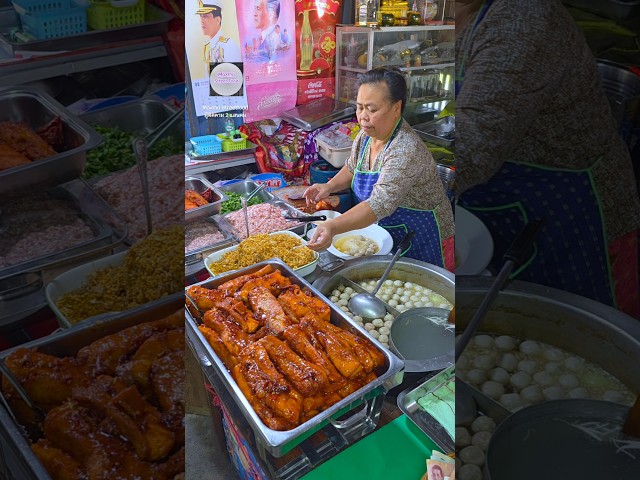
(437, 279)
(596, 332)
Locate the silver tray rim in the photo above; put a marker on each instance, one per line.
(210, 208)
(274, 440)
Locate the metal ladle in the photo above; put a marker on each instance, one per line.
(367, 305)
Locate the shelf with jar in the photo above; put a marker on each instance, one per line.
(424, 53)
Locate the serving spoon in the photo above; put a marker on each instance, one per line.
(367, 305)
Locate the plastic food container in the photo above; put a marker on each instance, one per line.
(232, 144)
(51, 19)
(105, 14)
(206, 144)
(302, 271)
(335, 156)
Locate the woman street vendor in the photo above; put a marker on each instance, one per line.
(393, 177)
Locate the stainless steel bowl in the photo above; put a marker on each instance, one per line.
(596, 332)
(36, 108)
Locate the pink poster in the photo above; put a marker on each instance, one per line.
(269, 100)
(267, 29)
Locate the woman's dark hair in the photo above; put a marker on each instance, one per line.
(393, 78)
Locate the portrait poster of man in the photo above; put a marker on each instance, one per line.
(214, 56)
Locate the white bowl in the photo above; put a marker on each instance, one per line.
(75, 278)
(303, 271)
(374, 232)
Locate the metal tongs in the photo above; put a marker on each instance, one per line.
(310, 218)
(153, 136)
(245, 202)
(140, 150)
(15, 383)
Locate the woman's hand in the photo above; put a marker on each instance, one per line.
(317, 192)
(322, 237)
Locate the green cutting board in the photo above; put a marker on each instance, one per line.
(397, 451)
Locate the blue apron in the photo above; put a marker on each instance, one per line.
(427, 243)
(568, 203)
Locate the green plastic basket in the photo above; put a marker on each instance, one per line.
(106, 14)
(229, 145)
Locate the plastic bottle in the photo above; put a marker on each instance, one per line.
(229, 127)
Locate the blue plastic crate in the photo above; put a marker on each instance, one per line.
(206, 145)
(51, 18)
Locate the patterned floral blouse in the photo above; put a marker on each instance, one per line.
(532, 93)
(408, 178)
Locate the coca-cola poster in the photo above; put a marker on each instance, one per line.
(267, 29)
(316, 48)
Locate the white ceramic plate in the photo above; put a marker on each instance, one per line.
(302, 271)
(73, 279)
(474, 245)
(374, 232)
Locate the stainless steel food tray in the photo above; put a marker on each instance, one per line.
(287, 208)
(427, 131)
(18, 458)
(246, 187)
(200, 185)
(196, 256)
(36, 108)
(156, 23)
(408, 404)
(278, 443)
(138, 116)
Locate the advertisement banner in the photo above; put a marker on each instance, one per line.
(269, 100)
(214, 56)
(316, 47)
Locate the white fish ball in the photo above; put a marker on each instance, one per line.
(477, 376)
(613, 396)
(388, 317)
(595, 379)
(568, 381)
(344, 295)
(401, 292)
(485, 362)
(520, 380)
(393, 303)
(544, 379)
(553, 393)
(403, 299)
(574, 364)
(469, 472)
(385, 344)
(418, 288)
(529, 366)
(384, 330)
(373, 283)
(336, 292)
(377, 322)
(554, 354)
(344, 308)
(396, 297)
(463, 437)
(374, 333)
(579, 392)
(505, 343)
(511, 401)
(388, 323)
(417, 303)
(369, 326)
(397, 283)
(383, 338)
(483, 341)
(427, 303)
(472, 455)
(343, 301)
(348, 290)
(483, 424)
(481, 439)
(553, 368)
(385, 297)
(492, 389)
(499, 375)
(509, 362)
(409, 304)
(334, 299)
(531, 394)
(358, 318)
(388, 283)
(530, 347)
(408, 285)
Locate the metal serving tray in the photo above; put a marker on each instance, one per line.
(36, 108)
(199, 254)
(408, 404)
(427, 131)
(212, 208)
(138, 116)
(288, 210)
(156, 23)
(318, 113)
(17, 456)
(278, 443)
(246, 187)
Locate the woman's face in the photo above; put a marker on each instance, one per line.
(376, 114)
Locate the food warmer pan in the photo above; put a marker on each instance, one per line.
(16, 454)
(278, 443)
(200, 185)
(36, 108)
